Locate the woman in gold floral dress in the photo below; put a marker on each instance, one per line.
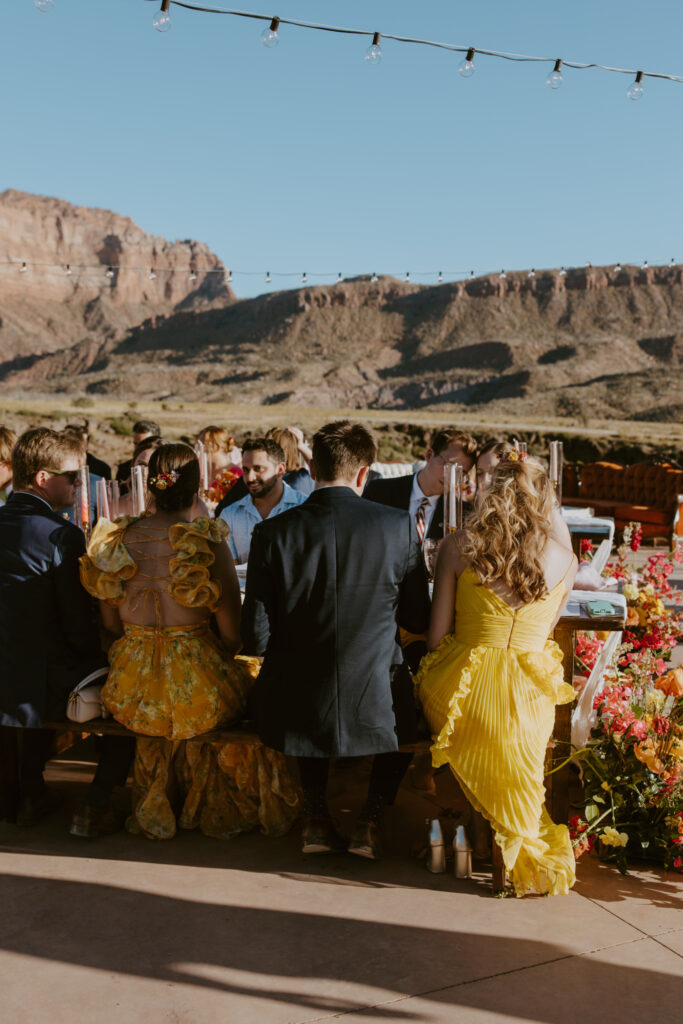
(159, 580)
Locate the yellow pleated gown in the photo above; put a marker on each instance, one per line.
(489, 693)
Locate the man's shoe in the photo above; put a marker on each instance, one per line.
(320, 836)
(365, 841)
(91, 822)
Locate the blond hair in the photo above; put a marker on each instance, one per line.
(505, 537)
(8, 439)
(42, 449)
(216, 439)
(289, 444)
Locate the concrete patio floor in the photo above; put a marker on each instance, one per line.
(196, 930)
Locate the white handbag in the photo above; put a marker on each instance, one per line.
(85, 700)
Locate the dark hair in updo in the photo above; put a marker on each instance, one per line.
(181, 459)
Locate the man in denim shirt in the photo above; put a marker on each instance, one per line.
(263, 466)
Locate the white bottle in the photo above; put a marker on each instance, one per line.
(436, 856)
(462, 853)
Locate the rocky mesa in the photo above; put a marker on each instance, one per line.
(595, 342)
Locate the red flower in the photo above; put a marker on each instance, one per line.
(678, 863)
(636, 537)
(661, 725)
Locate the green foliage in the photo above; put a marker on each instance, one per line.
(124, 428)
(82, 402)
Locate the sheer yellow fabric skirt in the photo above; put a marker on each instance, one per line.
(170, 685)
(492, 712)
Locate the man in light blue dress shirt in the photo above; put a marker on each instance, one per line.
(263, 466)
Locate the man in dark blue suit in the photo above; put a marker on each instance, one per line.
(48, 634)
(328, 585)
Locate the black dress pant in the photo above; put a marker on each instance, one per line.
(385, 778)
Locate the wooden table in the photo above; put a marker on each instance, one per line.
(592, 528)
(557, 784)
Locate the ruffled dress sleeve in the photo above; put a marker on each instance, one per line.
(107, 565)
(191, 584)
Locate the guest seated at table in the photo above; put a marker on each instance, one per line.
(8, 439)
(97, 467)
(222, 451)
(159, 581)
(263, 468)
(297, 457)
(491, 682)
(142, 429)
(48, 633)
(489, 456)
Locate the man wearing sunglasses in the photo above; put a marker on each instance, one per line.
(49, 638)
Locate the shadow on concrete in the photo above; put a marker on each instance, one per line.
(183, 941)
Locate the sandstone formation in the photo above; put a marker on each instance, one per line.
(64, 296)
(595, 342)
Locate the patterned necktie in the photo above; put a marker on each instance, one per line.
(420, 520)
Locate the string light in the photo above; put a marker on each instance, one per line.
(502, 275)
(23, 268)
(532, 273)
(644, 265)
(617, 269)
(554, 79)
(373, 54)
(152, 275)
(439, 278)
(339, 278)
(228, 277)
(110, 272)
(44, 5)
(672, 262)
(466, 67)
(635, 89)
(407, 277)
(67, 270)
(270, 36)
(162, 19)
(563, 272)
(374, 279)
(304, 279)
(268, 277)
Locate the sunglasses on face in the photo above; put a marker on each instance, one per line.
(70, 474)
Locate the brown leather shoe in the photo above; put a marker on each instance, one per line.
(365, 841)
(320, 836)
(91, 822)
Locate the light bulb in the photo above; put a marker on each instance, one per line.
(563, 272)
(268, 278)
(374, 279)
(532, 273)
(407, 277)
(23, 268)
(635, 89)
(339, 278)
(44, 5)
(228, 277)
(162, 19)
(67, 270)
(110, 272)
(672, 262)
(152, 274)
(617, 269)
(439, 277)
(304, 279)
(466, 67)
(373, 54)
(554, 79)
(502, 275)
(644, 265)
(193, 275)
(270, 36)
(471, 275)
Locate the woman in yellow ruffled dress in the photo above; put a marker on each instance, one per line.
(491, 682)
(159, 579)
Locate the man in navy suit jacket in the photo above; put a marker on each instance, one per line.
(48, 633)
(328, 584)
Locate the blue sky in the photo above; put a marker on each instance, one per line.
(303, 158)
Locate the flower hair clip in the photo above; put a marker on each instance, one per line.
(513, 456)
(164, 480)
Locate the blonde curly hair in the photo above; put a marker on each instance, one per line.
(506, 535)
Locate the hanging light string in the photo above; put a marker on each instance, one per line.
(193, 273)
(373, 54)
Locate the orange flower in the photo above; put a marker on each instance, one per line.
(672, 683)
(647, 753)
